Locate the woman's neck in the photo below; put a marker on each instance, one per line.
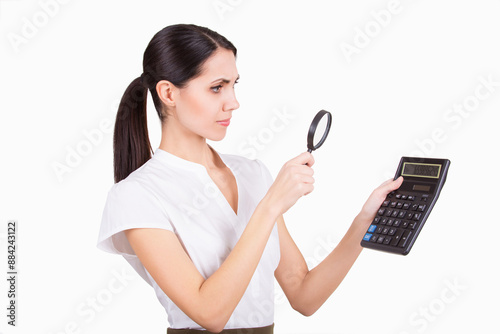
(188, 146)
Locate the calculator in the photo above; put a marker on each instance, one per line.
(404, 211)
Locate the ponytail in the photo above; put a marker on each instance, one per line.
(131, 145)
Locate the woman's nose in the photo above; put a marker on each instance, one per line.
(232, 103)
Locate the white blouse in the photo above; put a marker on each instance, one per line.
(178, 195)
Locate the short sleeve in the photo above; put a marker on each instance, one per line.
(129, 205)
(268, 179)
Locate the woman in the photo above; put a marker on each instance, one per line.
(206, 229)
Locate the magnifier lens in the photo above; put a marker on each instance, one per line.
(320, 130)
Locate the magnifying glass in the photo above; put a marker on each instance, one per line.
(318, 131)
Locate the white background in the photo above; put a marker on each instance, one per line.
(65, 65)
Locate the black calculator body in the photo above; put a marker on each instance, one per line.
(405, 210)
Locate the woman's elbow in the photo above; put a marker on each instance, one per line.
(212, 322)
(305, 310)
(212, 326)
(214, 329)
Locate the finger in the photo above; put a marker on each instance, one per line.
(308, 179)
(305, 170)
(304, 158)
(308, 189)
(310, 163)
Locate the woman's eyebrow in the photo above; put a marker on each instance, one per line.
(226, 81)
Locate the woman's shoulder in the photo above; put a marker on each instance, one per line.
(134, 185)
(126, 191)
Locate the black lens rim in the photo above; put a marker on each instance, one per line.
(314, 125)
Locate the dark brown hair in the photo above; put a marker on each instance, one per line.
(176, 54)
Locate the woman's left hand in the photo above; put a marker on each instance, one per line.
(376, 198)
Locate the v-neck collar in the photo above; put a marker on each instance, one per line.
(201, 171)
(226, 162)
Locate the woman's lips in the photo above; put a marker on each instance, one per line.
(224, 122)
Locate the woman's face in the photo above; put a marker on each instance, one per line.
(206, 104)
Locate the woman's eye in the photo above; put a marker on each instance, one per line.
(216, 89)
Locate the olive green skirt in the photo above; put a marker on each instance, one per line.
(255, 330)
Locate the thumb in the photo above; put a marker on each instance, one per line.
(389, 185)
(394, 184)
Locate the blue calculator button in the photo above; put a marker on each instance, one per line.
(367, 237)
(372, 228)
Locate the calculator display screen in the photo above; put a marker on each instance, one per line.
(420, 187)
(421, 170)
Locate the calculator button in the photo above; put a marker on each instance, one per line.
(421, 207)
(395, 213)
(399, 205)
(412, 225)
(402, 214)
(388, 213)
(397, 237)
(385, 230)
(387, 240)
(405, 224)
(381, 212)
(386, 203)
(383, 221)
(406, 206)
(392, 231)
(411, 198)
(374, 238)
(397, 223)
(379, 229)
(424, 198)
(372, 228)
(398, 196)
(414, 207)
(380, 240)
(367, 237)
(409, 215)
(390, 222)
(404, 197)
(404, 238)
(393, 204)
(417, 216)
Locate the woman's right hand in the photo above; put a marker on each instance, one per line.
(294, 180)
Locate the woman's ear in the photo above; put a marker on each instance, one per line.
(166, 92)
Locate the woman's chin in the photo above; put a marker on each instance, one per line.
(217, 136)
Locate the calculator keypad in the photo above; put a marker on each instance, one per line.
(397, 219)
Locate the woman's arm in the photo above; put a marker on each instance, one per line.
(307, 289)
(208, 302)
(211, 302)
